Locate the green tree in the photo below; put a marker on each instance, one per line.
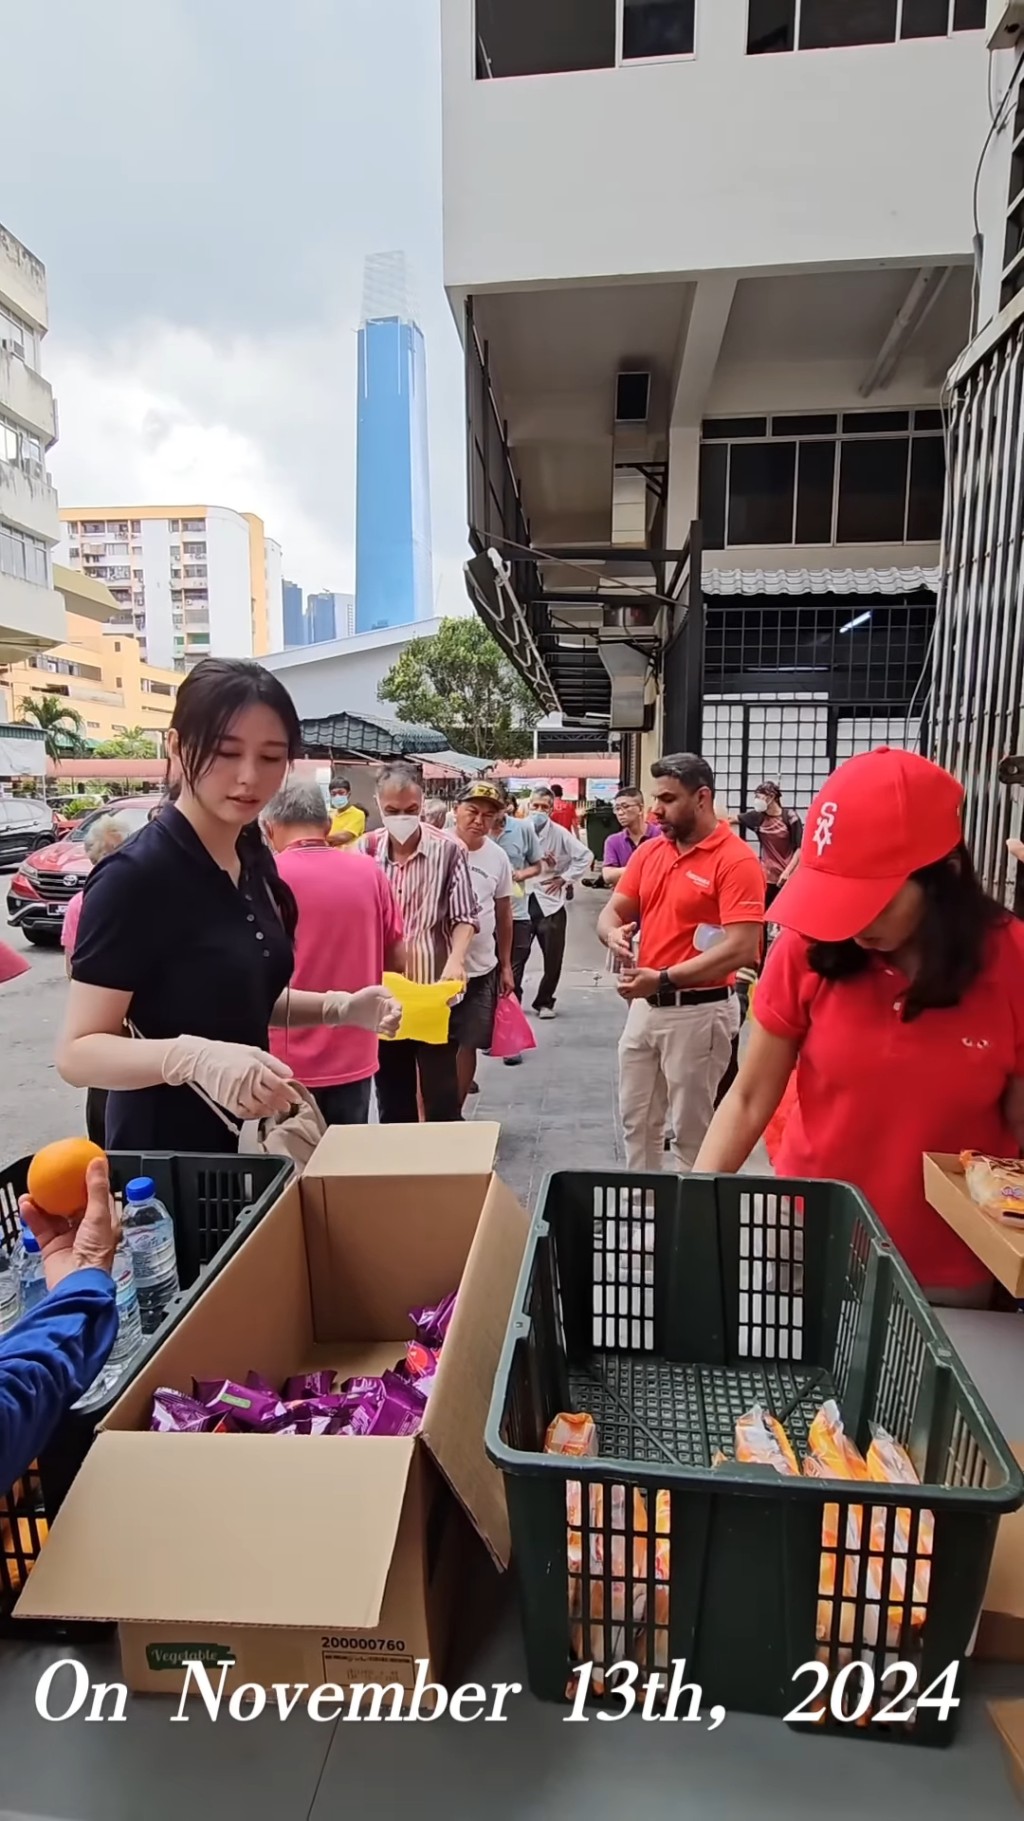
(63, 726)
(460, 682)
(130, 743)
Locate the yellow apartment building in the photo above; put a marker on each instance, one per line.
(101, 673)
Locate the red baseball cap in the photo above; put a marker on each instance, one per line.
(879, 818)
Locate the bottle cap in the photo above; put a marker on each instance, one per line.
(28, 1239)
(141, 1188)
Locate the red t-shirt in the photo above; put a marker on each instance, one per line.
(873, 1093)
(348, 918)
(718, 882)
(564, 813)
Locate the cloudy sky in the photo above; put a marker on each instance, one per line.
(203, 180)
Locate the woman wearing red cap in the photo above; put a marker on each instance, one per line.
(896, 990)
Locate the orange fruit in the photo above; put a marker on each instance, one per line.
(56, 1176)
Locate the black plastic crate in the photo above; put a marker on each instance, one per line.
(214, 1202)
(666, 1307)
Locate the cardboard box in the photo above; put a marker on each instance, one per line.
(1001, 1629)
(1008, 1720)
(998, 1246)
(310, 1558)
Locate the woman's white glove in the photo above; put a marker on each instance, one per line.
(371, 1009)
(243, 1080)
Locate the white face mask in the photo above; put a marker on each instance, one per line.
(540, 819)
(401, 828)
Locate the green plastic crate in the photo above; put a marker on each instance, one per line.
(666, 1307)
(214, 1202)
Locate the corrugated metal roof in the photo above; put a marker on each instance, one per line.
(819, 581)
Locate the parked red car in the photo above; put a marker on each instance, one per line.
(46, 882)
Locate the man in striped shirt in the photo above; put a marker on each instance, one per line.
(429, 874)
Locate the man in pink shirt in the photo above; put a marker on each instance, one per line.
(349, 931)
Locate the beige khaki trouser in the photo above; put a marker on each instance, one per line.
(671, 1060)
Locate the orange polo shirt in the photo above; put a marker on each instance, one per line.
(719, 881)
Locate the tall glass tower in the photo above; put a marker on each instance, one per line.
(394, 562)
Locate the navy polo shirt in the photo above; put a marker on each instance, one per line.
(200, 956)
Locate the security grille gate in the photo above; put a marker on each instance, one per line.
(795, 741)
(978, 666)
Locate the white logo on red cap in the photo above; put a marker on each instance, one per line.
(822, 836)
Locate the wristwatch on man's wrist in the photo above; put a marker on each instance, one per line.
(665, 982)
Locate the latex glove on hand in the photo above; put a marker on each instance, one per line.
(87, 1244)
(244, 1080)
(371, 1009)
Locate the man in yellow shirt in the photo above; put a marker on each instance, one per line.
(348, 821)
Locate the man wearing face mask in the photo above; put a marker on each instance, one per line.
(348, 821)
(564, 860)
(429, 874)
(698, 897)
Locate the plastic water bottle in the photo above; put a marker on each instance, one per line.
(28, 1265)
(129, 1324)
(10, 1295)
(149, 1232)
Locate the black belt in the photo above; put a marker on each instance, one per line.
(712, 995)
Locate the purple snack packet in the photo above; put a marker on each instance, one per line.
(312, 1425)
(174, 1412)
(431, 1325)
(308, 1384)
(302, 1409)
(254, 1381)
(397, 1409)
(250, 1408)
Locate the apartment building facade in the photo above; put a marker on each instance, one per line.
(31, 609)
(99, 672)
(711, 260)
(189, 581)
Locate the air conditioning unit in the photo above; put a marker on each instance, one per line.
(12, 347)
(1004, 22)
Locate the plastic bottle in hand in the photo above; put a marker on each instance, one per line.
(149, 1233)
(28, 1265)
(10, 1294)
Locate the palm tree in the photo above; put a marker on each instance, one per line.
(63, 726)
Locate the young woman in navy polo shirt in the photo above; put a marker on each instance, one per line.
(185, 942)
(896, 990)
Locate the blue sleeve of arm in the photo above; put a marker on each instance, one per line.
(46, 1362)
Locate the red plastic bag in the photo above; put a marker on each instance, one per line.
(512, 1032)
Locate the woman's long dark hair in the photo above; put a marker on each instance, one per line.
(208, 700)
(951, 938)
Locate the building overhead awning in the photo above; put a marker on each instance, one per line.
(360, 736)
(84, 595)
(753, 582)
(455, 761)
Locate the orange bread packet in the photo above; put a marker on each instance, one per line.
(762, 1441)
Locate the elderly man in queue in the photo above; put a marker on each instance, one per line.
(349, 931)
(55, 1352)
(564, 861)
(429, 874)
(489, 957)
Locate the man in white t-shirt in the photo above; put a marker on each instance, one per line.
(488, 964)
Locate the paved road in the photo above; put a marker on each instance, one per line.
(35, 1105)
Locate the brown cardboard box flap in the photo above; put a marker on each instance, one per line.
(289, 1531)
(406, 1150)
(457, 1411)
(999, 1247)
(1008, 1719)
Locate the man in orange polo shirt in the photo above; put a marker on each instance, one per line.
(698, 898)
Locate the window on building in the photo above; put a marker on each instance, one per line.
(193, 524)
(657, 28)
(867, 477)
(117, 644)
(548, 37)
(136, 527)
(20, 338)
(23, 557)
(808, 25)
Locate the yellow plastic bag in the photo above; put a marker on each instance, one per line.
(425, 1008)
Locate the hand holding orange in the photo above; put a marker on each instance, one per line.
(56, 1177)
